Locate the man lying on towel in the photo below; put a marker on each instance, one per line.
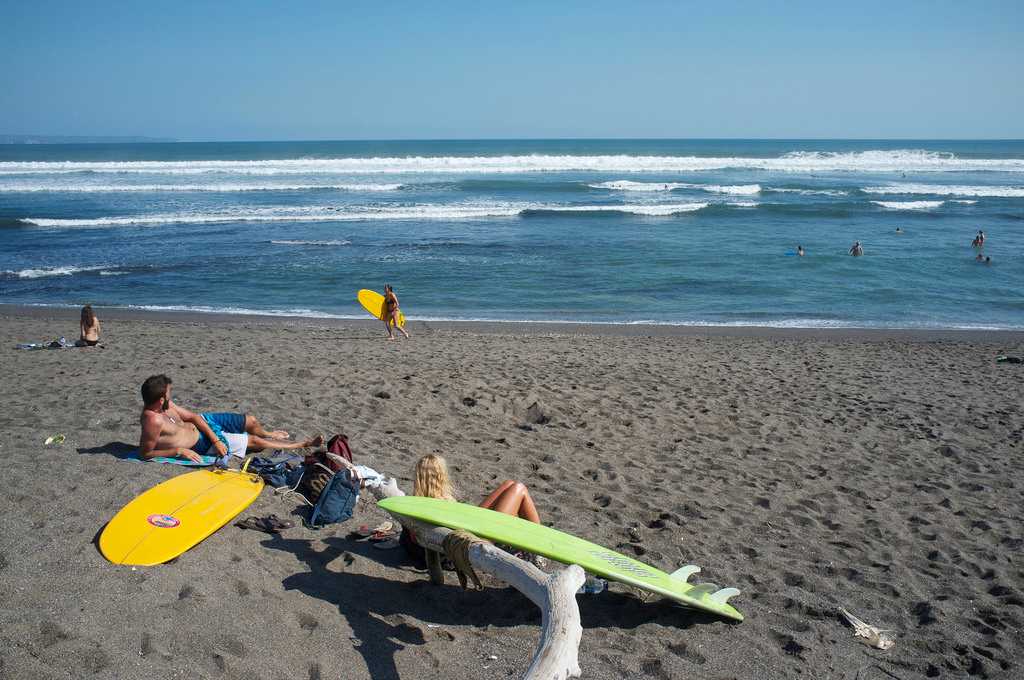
(172, 431)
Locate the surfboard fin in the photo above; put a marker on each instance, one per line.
(722, 596)
(684, 573)
(702, 589)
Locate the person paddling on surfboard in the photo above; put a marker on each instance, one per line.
(391, 312)
(431, 480)
(172, 431)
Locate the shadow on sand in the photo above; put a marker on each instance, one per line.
(116, 449)
(384, 613)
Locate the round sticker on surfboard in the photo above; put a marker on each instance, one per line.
(163, 521)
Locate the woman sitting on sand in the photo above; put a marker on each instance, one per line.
(391, 311)
(431, 480)
(512, 498)
(89, 327)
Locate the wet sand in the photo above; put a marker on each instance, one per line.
(874, 470)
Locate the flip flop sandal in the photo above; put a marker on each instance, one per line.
(367, 531)
(379, 536)
(387, 545)
(270, 525)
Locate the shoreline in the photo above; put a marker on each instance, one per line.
(586, 328)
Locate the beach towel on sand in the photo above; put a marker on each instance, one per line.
(205, 460)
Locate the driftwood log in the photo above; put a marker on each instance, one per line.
(557, 655)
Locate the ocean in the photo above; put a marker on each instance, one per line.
(692, 232)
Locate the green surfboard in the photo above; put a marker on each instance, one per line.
(568, 549)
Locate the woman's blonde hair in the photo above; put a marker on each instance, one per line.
(432, 478)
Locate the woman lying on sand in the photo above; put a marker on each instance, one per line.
(431, 480)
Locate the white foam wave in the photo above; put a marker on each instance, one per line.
(212, 188)
(108, 273)
(649, 210)
(51, 271)
(809, 192)
(743, 204)
(310, 243)
(904, 160)
(795, 323)
(733, 189)
(352, 213)
(207, 309)
(909, 205)
(948, 190)
(627, 185)
(964, 202)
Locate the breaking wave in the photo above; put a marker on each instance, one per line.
(948, 190)
(627, 185)
(649, 210)
(905, 160)
(211, 188)
(809, 192)
(909, 205)
(51, 271)
(344, 214)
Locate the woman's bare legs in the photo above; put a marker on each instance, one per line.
(387, 327)
(512, 498)
(253, 426)
(394, 320)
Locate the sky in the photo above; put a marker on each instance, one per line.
(250, 70)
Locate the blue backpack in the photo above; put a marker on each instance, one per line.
(337, 498)
(337, 501)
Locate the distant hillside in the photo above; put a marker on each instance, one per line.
(62, 139)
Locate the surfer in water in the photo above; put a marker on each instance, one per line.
(856, 249)
(391, 312)
(800, 251)
(173, 431)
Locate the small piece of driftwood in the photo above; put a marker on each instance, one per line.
(557, 655)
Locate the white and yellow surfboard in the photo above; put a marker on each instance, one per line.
(176, 515)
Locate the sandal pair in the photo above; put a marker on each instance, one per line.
(269, 525)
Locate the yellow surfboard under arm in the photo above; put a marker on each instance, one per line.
(373, 302)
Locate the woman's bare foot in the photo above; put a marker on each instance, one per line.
(279, 434)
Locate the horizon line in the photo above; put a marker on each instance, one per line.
(147, 139)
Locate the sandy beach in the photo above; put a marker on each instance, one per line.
(876, 471)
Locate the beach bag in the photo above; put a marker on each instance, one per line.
(336, 501)
(338, 445)
(321, 466)
(276, 473)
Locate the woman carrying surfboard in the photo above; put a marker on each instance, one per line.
(391, 312)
